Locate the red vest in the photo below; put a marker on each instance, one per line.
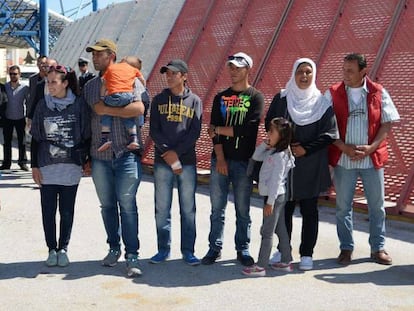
(340, 106)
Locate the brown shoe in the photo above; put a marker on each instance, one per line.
(345, 257)
(382, 257)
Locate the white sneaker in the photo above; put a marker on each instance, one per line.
(306, 263)
(276, 257)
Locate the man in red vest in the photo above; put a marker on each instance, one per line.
(364, 112)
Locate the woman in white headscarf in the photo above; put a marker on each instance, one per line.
(314, 129)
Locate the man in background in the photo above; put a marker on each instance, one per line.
(34, 80)
(85, 75)
(15, 118)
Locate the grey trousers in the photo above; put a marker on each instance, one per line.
(275, 223)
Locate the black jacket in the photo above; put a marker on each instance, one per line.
(83, 79)
(3, 103)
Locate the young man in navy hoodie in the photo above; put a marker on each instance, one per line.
(175, 125)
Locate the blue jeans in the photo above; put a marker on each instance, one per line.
(116, 183)
(219, 191)
(164, 184)
(118, 100)
(373, 182)
(51, 196)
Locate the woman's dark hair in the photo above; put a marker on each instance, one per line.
(302, 64)
(284, 128)
(67, 73)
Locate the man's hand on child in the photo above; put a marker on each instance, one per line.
(100, 108)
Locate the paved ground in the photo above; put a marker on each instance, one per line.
(26, 283)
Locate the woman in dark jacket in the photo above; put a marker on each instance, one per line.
(314, 129)
(61, 131)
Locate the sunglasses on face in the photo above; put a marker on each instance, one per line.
(239, 59)
(82, 64)
(59, 68)
(13, 74)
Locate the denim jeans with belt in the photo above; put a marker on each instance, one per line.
(164, 183)
(52, 196)
(345, 182)
(219, 190)
(116, 183)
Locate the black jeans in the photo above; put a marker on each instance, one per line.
(51, 196)
(8, 127)
(310, 223)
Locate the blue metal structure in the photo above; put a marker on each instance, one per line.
(44, 28)
(24, 24)
(74, 11)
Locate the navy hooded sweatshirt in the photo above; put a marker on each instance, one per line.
(175, 124)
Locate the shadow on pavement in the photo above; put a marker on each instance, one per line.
(393, 276)
(179, 273)
(76, 270)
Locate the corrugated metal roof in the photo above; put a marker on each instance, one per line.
(137, 27)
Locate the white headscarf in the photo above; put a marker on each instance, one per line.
(305, 106)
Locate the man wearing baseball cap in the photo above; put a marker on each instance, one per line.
(103, 45)
(116, 171)
(240, 60)
(234, 122)
(175, 125)
(175, 65)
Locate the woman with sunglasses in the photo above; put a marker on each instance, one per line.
(61, 132)
(314, 129)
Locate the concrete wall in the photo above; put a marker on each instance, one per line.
(138, 27)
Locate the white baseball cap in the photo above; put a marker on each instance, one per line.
(240, 59)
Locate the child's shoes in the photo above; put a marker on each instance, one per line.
(281, 266)
(254, 270)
